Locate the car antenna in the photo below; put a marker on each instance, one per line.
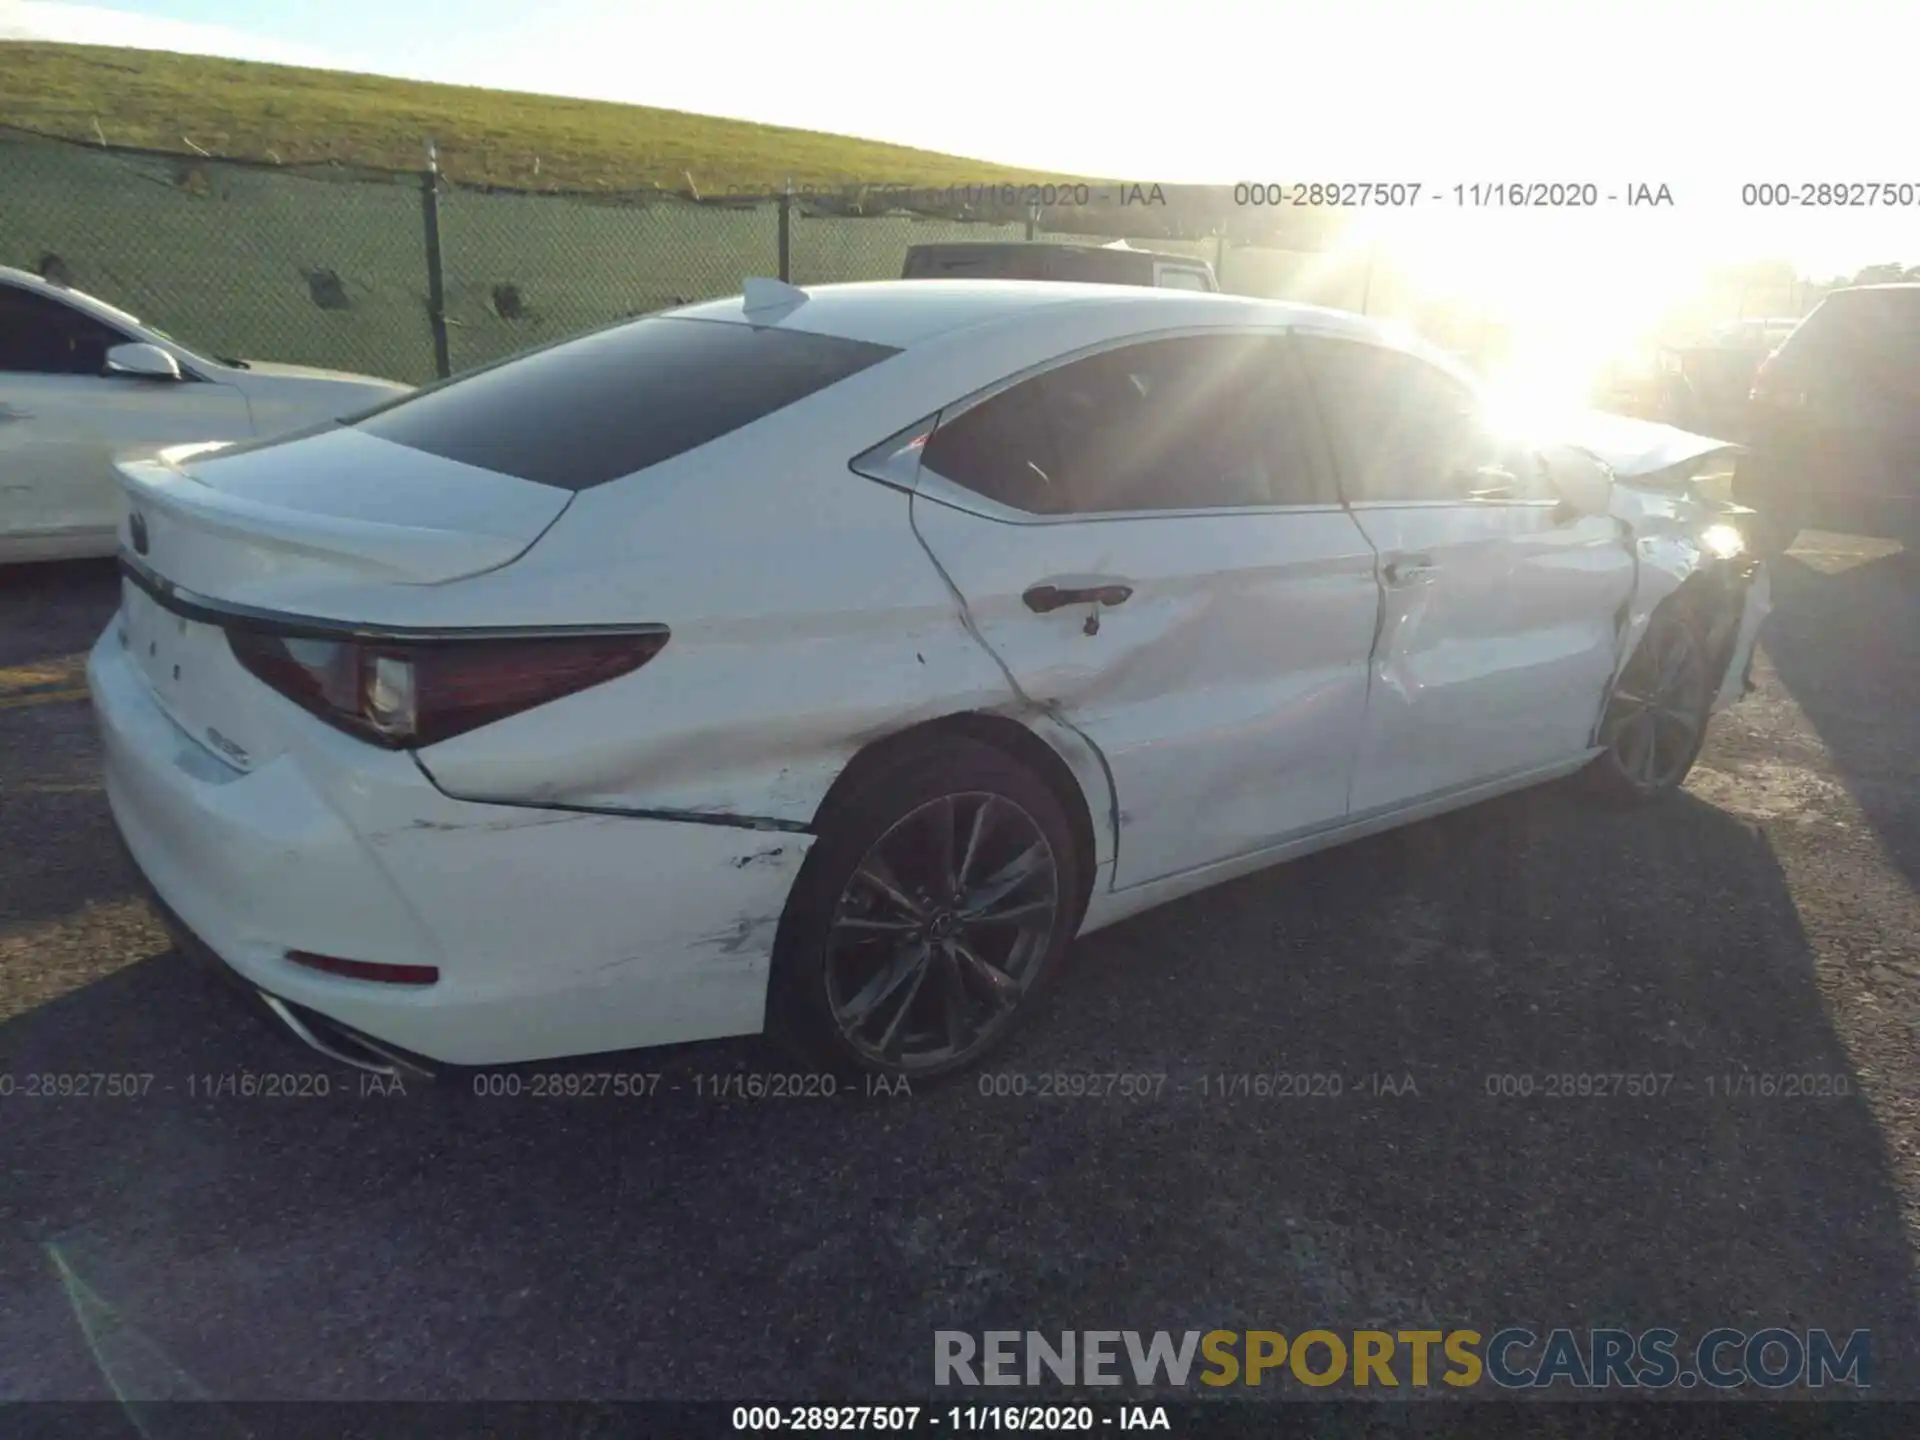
(762, 294)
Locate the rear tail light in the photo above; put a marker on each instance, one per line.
(367, 969)
(403, 694)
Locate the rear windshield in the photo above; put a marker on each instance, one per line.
(593, 409)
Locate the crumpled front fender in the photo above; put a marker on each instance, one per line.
(1683, 542)
(1687, 548)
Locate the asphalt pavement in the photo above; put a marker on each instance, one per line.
(692, 1245)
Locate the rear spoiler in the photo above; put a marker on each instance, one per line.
(163, 486)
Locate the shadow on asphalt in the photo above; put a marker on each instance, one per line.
(447, 1244)
(50, 610)
(55, 834)
(1847, 648)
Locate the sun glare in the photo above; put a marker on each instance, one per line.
(1569, 295)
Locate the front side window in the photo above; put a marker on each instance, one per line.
(41, 336)
(1403, 430)
(1204, 422)
(605, 405)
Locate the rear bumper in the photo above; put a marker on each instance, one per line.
(554, 933)
(311, 1029)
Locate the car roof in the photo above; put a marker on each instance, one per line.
(906, 313)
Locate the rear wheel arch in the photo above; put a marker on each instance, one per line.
(1008, 736)
(888, 783)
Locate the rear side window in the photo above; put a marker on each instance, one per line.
(1207, 422)
(590, 410)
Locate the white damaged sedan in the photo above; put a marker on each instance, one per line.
(826, 661)
(83, 384)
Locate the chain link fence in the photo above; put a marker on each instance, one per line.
(406, 275)
(321, 266)
(367, 270)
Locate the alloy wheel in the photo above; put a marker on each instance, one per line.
(1658, 710)
(940, 930)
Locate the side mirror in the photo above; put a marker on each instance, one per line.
(145, 362)
(1583, 484)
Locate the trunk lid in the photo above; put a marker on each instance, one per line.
(235, 522)
(312, 525)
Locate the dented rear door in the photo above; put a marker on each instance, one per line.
(1149, 544)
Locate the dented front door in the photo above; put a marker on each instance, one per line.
(1499, 634)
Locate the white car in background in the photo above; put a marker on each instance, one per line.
(82, 384)
(826, 660)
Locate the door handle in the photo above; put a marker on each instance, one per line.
(1406, 569)
(1041, 599)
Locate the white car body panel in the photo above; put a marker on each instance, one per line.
(1111, 907)
(261, 526)
(1670, 525)
(1225, 693)
(390, 867)
(1493, 649)
(778, 681)
(1260, 696)
(60, 435)
(59, 496)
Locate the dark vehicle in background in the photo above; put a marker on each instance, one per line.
(1833, 422)
(1716, 375)
(1702, 386)
(1116, 264)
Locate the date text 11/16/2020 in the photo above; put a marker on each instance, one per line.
(1267, 194)
(1473, 195)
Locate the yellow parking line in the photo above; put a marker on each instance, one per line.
(43, 697)
(65, 670)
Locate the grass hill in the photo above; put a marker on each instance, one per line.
(292, 115)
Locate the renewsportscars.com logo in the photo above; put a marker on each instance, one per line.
(1512, 1359)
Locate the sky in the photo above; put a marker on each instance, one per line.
(1702, 99)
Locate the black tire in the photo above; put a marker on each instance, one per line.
(1645, 707)
(847, 938)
